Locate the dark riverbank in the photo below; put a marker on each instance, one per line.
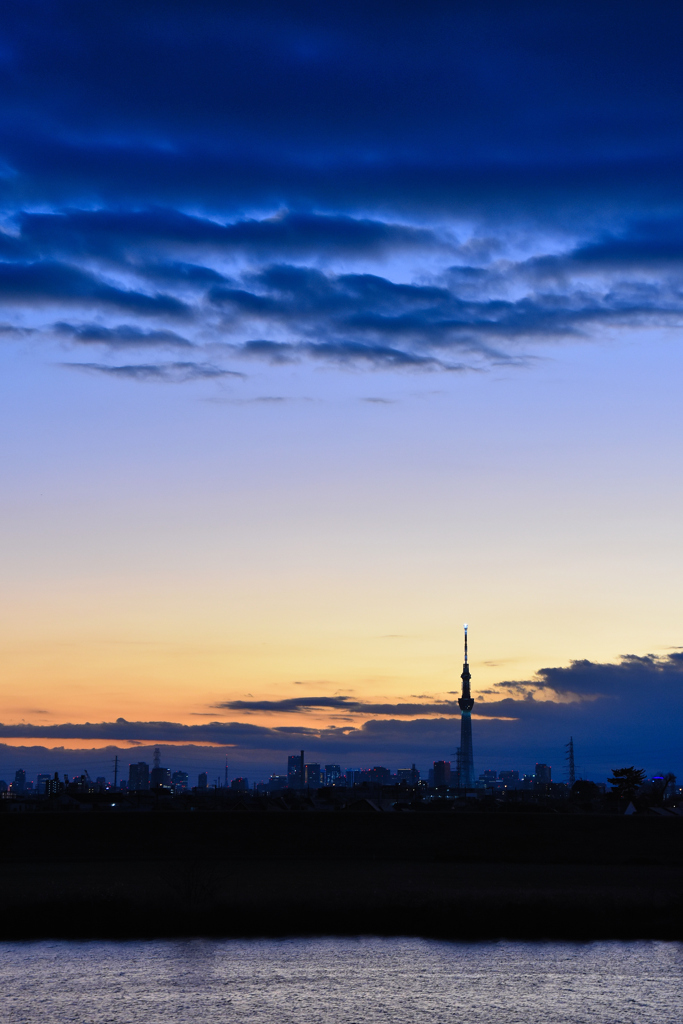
(463, 876)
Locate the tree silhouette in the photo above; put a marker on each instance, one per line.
(663, 787)
(584, 790)
(625, 781)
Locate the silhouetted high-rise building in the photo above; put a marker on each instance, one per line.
(409, 775)
(466, 703)
(543, 773)
(333, 774)
(442, 773)
(276, 782)
(203, 780)
(138, 775)
(240, 784)
(180, 780)
(312, 775)
(159, 776)
(19, 784)
(54, 786)
(295, 777)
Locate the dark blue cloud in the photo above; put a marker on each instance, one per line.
(370, 185)
(631, 678)
(159, 373)
(350, 315)
(115, 232)
(457, 316)
(189, 274)
(293, 705)
(52, 282)
(344, 353)
(214, 732)
(458, 106)
(121, 336)
(640, 244)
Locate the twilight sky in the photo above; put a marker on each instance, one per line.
(324, 329)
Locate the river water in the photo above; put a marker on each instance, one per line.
(341, 981)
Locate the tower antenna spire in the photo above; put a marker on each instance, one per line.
(466, 703)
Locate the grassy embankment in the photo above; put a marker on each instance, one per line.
(452, 876)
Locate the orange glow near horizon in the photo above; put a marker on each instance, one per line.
(342, 561)
(87, 744)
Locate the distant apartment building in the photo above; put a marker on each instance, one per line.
(543, 773)
(53, 786)
(203, 780)
(42, 783)
(19, 784)
(240, 784)
(352, 776)
(333, 774)
(442, 773)
(411, 776)
(488, 776)
(295, 777)
(509, 776)
(160, 776)
(276, 782)
(377, 775)
(138, 776)
(312, 775)
(180, 780)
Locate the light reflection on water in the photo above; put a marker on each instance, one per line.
(341, 981)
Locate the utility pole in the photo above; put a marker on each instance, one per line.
(571, 768)
(116, 771)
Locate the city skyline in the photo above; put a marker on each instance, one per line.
(300, 774)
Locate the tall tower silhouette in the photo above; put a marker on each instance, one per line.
(466, 703)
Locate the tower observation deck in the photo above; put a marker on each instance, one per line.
(466, 703)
